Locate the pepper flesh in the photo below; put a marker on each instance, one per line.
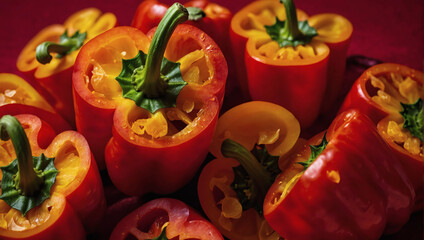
(18, 97)
(181, 222)
(378, 93)
(365, 180)
(78, 179)
(191, 122)
(248, 123)
(56, 77)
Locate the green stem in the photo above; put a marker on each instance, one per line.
(28, 180)
(42, 52)
(257, 173)
(291, 28)
(153, 85)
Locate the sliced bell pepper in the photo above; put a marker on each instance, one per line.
(250, 22)
(18, 97)
(290, 65)
(252, 124)
(77, 179)
(54, 73)
(347, 187)
(379, 91)
(165, 218)
(384, 92)
(154, 146)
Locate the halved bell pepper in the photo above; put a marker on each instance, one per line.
(18, 97)
(49, 56)
(151, 149)
(345, 185)
(250, 22)
(299, 66)
(76, 179)
(391, 95)
(165, 218)
(259, 126)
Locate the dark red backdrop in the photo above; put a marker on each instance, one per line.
(392, 31)
(388, 30)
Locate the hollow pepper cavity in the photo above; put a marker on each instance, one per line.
(247, 144)
(52, 188)
(165, 218)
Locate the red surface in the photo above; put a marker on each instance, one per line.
(391, 31)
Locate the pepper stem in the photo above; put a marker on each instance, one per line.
(291, 27)
(27, 179)
(257, 173)
(65, 46)
(150, 80)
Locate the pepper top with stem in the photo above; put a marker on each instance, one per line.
(260, 177)
(23, 186)
(152, 81)
(291, 32)
(65, 46)
(28, 180)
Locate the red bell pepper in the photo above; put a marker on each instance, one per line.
(250, 22)
(54, 74)
(291, 63)
(165, 218)
(383, 92)
(166, 135)
(76, 179)
(18, 97)
(349, 187)
(237, 215)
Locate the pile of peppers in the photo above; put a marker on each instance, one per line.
(189, 124)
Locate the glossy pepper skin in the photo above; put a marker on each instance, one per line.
(303, 77)
(256, 14)
(355, 188)
(250, 123)
(18, 97)
(56, 77)
(216, 23)
(78, 181)
(178, 160)
(148, 221)
(378, 93)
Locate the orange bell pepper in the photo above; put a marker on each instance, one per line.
(18, 97)
(77, 180)
(249, 124)
(55, 76)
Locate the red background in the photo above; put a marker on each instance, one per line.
(391, 31)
